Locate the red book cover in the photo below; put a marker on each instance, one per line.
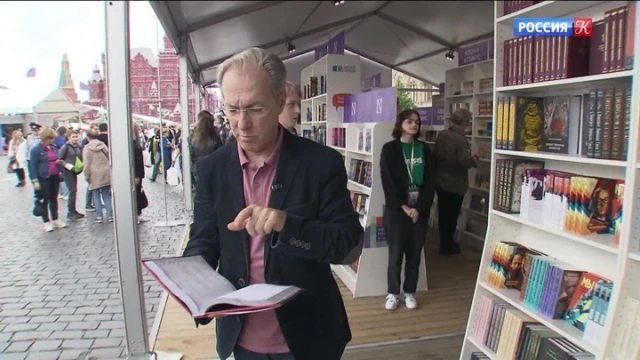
(578, 310)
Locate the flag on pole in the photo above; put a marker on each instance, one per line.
(84, 86)
(31, 72)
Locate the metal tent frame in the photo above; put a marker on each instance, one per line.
(410, 37)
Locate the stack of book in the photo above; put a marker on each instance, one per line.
(552, 288)
(511, 334)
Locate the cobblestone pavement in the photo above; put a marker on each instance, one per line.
(59, 291)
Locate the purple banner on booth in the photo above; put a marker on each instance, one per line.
(491, 45)
(438, 115)
(336, 44)
(371, 107)
(474, 53)
(426, 115)
(371, 82)
(321, 51)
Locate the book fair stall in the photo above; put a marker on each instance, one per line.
(550, 251)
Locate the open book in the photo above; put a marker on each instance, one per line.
(205, 293)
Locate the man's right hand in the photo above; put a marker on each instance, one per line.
(36, 185)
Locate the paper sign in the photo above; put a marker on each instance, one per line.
(474, 53)
(338, 100)
(426, 115)
(371, 107)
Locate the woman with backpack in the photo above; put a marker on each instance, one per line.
(70, 160)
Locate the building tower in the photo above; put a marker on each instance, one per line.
(96, 88)
(66, 82)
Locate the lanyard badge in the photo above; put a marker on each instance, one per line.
(413, 191)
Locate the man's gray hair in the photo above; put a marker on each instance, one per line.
(272, 64)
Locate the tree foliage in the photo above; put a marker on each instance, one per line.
(404, 99)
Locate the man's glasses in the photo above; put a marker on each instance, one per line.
(253, 112)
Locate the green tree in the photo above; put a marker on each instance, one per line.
(404, 100)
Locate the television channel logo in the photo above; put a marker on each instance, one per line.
(578, 27)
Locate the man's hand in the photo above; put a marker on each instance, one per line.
(414, 215)
(36, 185)
(136, 181)
(258, 220)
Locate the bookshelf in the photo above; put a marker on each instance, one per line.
(324, 84)
(361, 143)
(568, 242)
(471, 86)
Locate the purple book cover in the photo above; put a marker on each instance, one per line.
(551, 288)
(546, 287)
(596, 49)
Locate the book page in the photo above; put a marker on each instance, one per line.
(258, 295)
(191, 280)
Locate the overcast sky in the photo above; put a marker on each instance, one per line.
(37, 34)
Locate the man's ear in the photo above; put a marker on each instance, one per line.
(281, 103)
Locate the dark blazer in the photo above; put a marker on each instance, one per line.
(395, 178)
(321, 229)
(39, 162)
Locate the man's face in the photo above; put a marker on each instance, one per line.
(73, 138)
(289, 116)
(251, 107)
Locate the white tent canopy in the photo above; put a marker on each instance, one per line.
(148, 119)
(411, 37)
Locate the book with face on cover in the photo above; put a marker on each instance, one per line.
(203, 292)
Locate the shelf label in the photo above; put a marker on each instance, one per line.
(371, 106)
(475, 53)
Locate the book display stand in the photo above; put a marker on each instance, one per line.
(560, 266)
(357, 125)
(324, 85)
(471, 86)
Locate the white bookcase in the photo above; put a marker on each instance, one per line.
(472, 84)
(334, 74)
(597, 255)
(371, 277)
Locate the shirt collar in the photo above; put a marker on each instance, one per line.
(272, 160)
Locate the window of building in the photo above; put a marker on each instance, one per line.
(169, 90)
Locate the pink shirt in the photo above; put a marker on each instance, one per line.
(261, 331)
(53, 157)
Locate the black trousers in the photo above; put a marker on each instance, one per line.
(449, 205)
(20, 175)
(406, 241)
(49, 190)
(71, 179)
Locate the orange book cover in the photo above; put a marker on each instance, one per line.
(578, 309)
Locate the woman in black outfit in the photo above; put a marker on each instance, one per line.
(406, 169)
(138, 166)
(206, 140)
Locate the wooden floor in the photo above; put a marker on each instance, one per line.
(440, 349)
(443, 310)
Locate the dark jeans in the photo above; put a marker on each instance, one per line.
(20, 175)
(449, 205)
(49, 191)
(406, 241)
(88, 199)
(244, 354)
(71, 179)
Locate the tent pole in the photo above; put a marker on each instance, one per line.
(124, 200)
(163, 158)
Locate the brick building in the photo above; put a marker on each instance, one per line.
(152, 93)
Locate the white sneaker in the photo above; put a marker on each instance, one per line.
(410, 301)
(392, 302)
(59, 224)
(48, 227)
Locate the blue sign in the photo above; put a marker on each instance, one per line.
(543, 26)
(344, 68)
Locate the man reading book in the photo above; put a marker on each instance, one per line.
(274, 208)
